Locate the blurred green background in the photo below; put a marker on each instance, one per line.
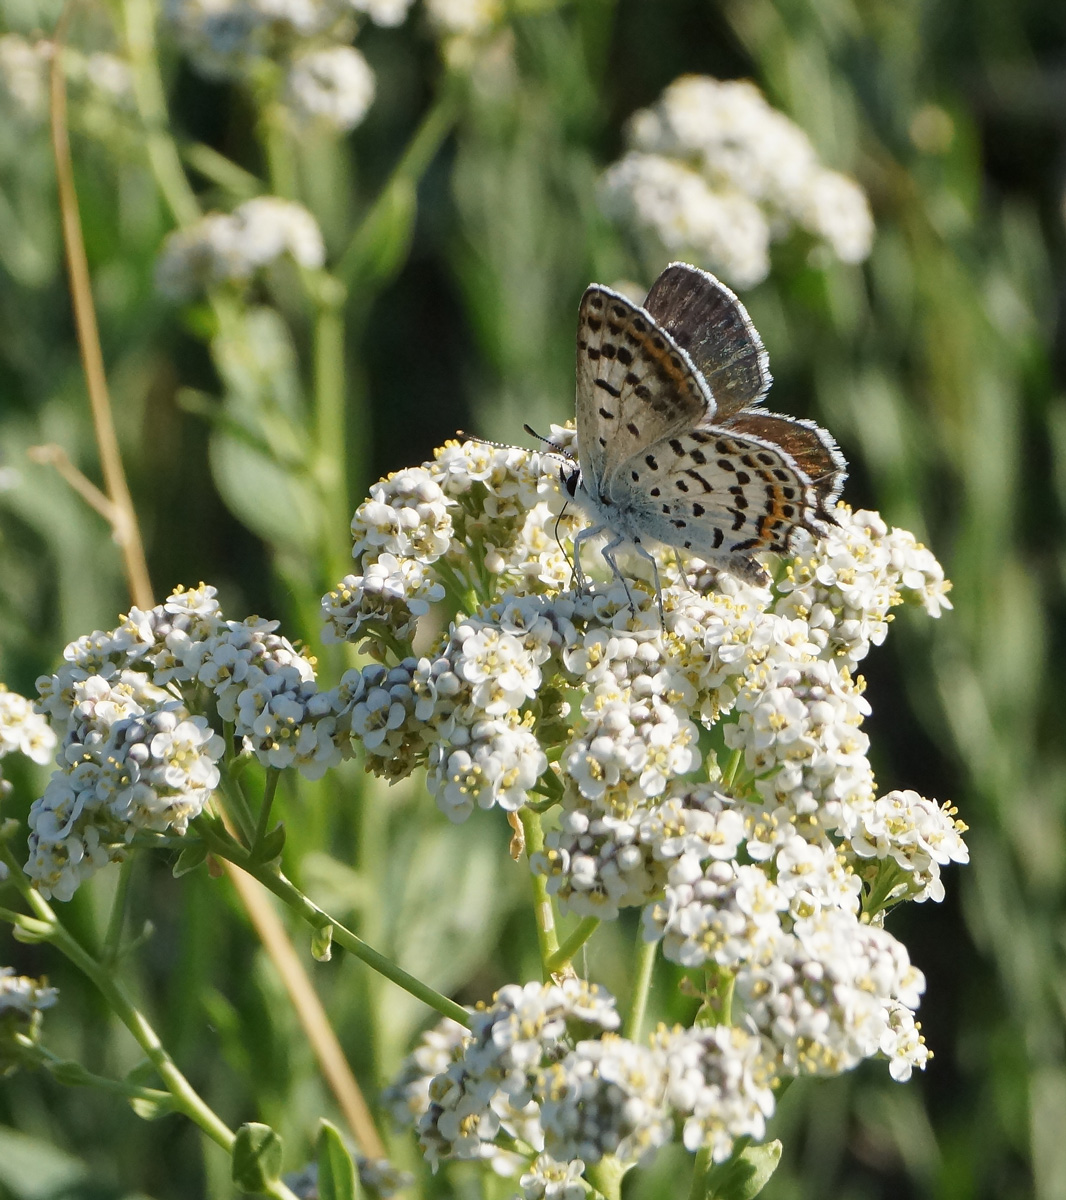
(938, 365)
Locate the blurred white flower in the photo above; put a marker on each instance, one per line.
(232, 247)
(333, 85)
(713, 174)
(383, 12)
(464, 17)
(24, 76)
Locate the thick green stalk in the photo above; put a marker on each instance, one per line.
(543, 913)
(698, 1190)
(638, 1002)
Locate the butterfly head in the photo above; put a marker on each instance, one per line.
(570, 479)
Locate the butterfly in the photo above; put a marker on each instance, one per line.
(672, 444)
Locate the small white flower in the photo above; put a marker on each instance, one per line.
(918, 834)
(333, 85)
(24, 730)
(547, 1179)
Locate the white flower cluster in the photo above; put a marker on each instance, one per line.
(22, 995)
(232, 247)
(843, 584)
(326, 80)
(719, 1081)
(835, 992)
(22, 730)
(132, 758)
(334, 85)
(490, 1084)
(475, 515)
(22, 1002)
(100, 81)
(919, 835)
(769, 858)
(714, 174)
(543, 1065)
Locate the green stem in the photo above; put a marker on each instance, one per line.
(187, 1099)
(638, 1004)
(269, 790)
(420, 152)
(730, 773)
(46, 926)
(564, 955)
(237, 803)
(543, 913)
(273, 880)
(703, 1163)
(139, 18)
(220, 170)
(73, 1074)
(113, 937)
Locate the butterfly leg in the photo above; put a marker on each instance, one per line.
(681, 570)
(583, 535)
(655, 575)
(619, 539)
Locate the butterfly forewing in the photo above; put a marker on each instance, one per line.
(708, 321)
(634, 385)
(717, 493)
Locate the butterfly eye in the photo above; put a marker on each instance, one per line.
(570, 480)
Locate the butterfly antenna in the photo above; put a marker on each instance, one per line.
(548, 442)
(472, 437)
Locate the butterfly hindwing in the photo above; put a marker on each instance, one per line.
(813, 450)
(634, 384)
(717, 493)
(707, 320)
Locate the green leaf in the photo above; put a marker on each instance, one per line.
(382, 245)
(151, 1108)
(337, 1178)
(271, 846)
(322, 943)
(189, 859)
(745, 1175)
(256, 1157)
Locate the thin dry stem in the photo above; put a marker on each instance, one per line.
(53, 455)
(117, 507)
(127, 531)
